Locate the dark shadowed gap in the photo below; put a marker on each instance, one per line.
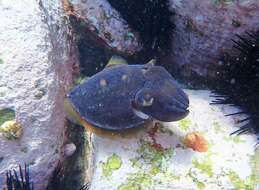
(71, 174)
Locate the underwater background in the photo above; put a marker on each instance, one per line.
(49, 48)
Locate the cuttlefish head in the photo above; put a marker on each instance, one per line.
(161, 98)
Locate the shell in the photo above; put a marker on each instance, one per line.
(69, 149)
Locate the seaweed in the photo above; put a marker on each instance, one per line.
(237, 81)
(19, 180)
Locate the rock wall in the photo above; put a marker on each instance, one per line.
(105, 24)
(204, 30)
(37, 56)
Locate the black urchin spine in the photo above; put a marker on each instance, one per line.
(238, 81)
(19, 182)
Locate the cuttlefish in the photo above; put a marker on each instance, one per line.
(123, 96)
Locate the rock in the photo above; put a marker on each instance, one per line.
(204, 30)
(37, 53)
(105, 24)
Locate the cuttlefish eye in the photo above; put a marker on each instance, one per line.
(144, 98)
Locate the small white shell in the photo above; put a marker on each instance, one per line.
(69, 149)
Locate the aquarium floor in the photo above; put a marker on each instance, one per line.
(160, 161)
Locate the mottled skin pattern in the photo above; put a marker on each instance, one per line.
(106, 100)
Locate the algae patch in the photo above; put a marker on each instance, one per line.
(204, 165)
(184, 124)
(250, 182)
(11, 130)
(200, 185)
(238, 183)
(113, 163)
(129, 186)
(153, 155)
(6, 114)
(137, 181)
(152, 160)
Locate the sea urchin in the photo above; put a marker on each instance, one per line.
(238, 81)
(18, 182)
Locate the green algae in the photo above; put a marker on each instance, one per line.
(6, 114)
(113, 163)
(234, 138)
(200, 185)
(254, 163)
(168, 176)
(11, 130)
(237, 182)
(129, 186)
(155, 170)
(135, 163)
(252, 181)
(184, 124)
(137, 181)
(204, 165)
(152, 160)
(1, 61)
(153, 156)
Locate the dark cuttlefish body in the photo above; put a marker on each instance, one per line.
(125, 96)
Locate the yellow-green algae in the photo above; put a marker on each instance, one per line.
(137, 181)
(254, 163)
(200, 185)
(153, 156)
(184, 124)
(252, 181)
(204, 165)
(11, 130)
(129, 186)
(152, 160)
(8, 127)
(113, 163)
(6, 114)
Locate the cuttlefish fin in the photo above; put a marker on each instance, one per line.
(116, 60)
(71, 113)
(75, 118)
